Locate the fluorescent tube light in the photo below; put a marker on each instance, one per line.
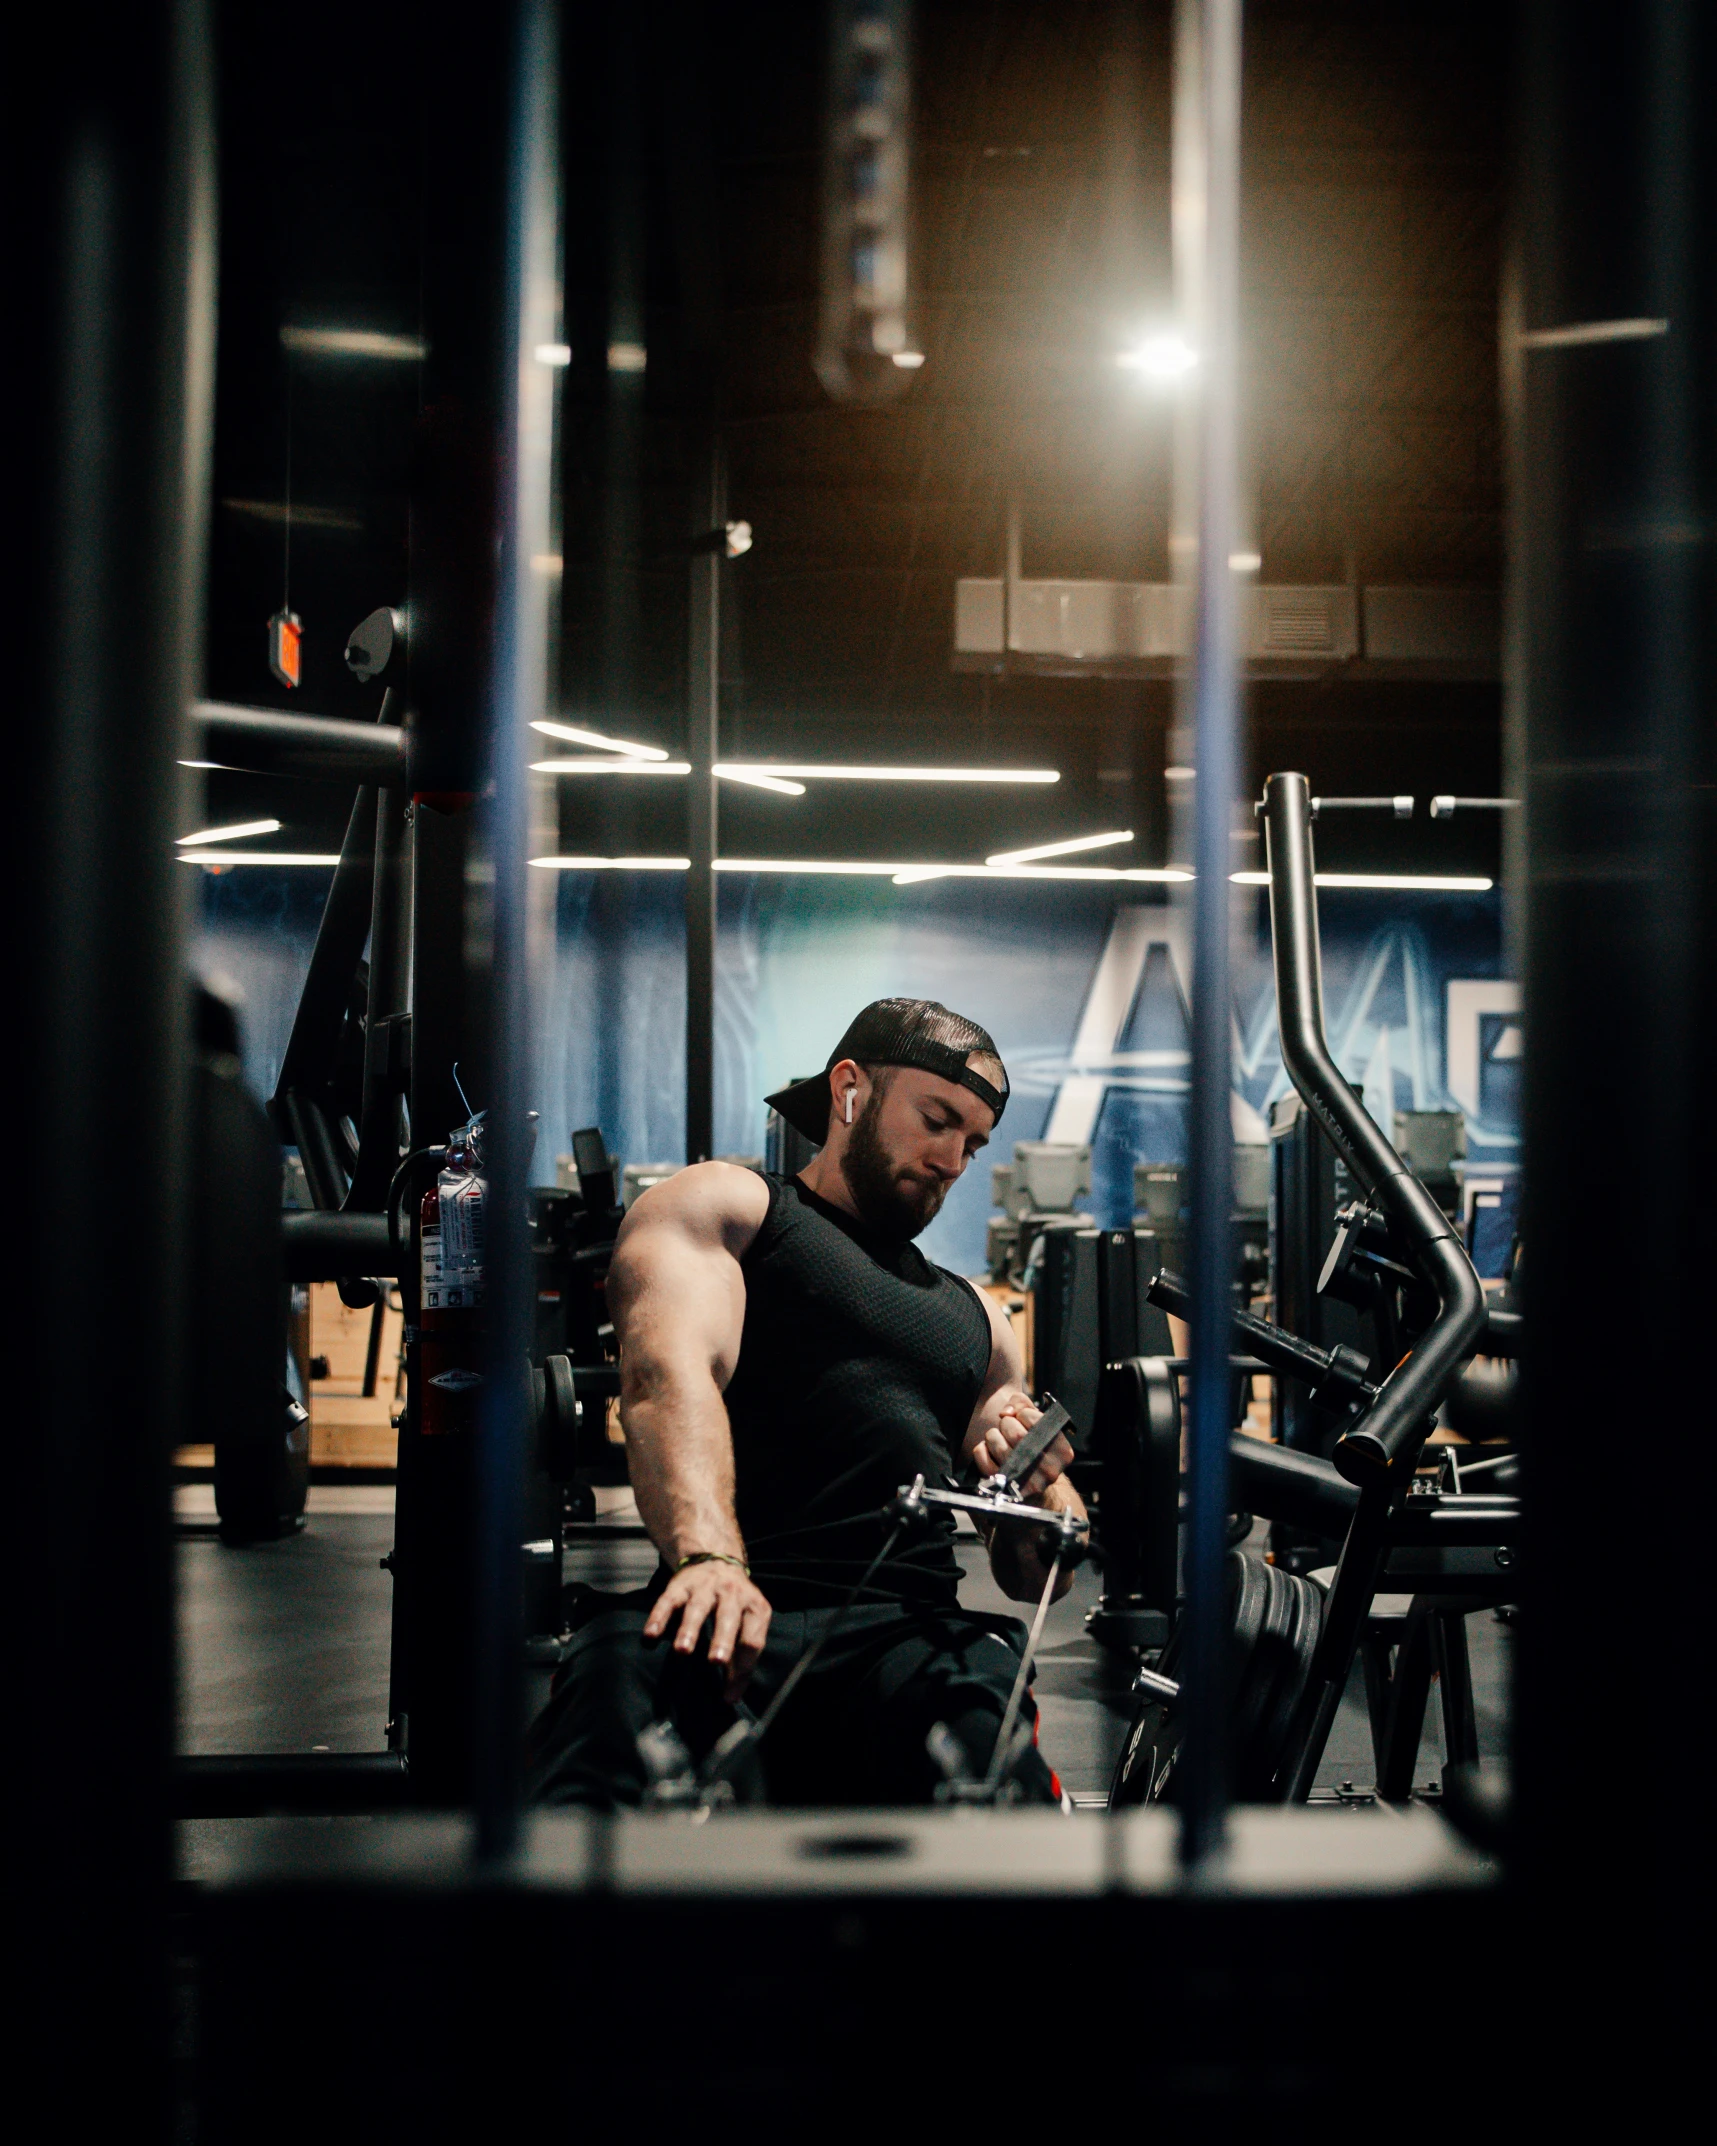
(1387, 882)
(614, 864)
(901, 874)
(1578, 333)
(230, 834)
(759, 781)
(352, 343)
(787, 776)
(611, 767)
(817, 771)
(1069, 848)
(217, 858)
(574, 736)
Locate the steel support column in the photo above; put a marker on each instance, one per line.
(1613, 691)
(1207, 250)
(703, 726)
(110, 252)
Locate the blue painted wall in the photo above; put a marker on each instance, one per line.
(797, 957)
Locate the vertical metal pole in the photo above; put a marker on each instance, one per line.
(703, 721)
(624, 414)
(110, 260)
(1212, 225)
(517, 697)
(1612, 688)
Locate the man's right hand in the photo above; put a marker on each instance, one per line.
(739, 1616)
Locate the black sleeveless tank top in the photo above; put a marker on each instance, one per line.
(859, 1366)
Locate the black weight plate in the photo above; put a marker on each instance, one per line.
(1308, 1623)
(1147, 1757)
(1253, 1698)
(1248, 1592)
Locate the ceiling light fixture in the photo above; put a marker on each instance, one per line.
(627, 357)
(909, 360)
(755, 781)
(554, 353)
(613, 864)
(352, 343)
(1179, 774)
(903, 875)
(230, 834)
(815, 771)
(1070, 848)
(218, 859)
(1385, 882)
(575, 736)
(611, 767)
(1579, 333)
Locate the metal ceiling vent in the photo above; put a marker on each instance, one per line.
(1299, 622)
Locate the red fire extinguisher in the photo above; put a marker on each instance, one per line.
(451, 1232)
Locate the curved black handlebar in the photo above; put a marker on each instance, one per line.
(1412, 1390)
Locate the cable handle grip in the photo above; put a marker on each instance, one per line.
(1051, 1425)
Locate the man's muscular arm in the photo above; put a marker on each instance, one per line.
(1005, 1412)
(677, 1299)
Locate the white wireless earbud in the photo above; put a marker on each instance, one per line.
(849, 1106)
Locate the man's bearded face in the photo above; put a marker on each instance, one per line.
(894, 1188)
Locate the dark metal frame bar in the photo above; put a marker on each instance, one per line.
(1212, 106)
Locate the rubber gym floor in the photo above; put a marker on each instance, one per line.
(284, 1647)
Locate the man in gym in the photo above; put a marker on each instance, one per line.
(789, 1359)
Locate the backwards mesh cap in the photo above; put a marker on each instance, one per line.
(896, 1032)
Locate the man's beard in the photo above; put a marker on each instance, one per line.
(896, 1204)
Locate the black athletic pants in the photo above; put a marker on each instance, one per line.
(852, 1732)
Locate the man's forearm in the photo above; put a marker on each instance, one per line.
(679, 1451)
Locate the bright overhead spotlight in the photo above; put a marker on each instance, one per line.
(574, 736)
(1179, 774)
(554, 353)
(1245, 562)
(909, 360)
(1069, 848)
(230, 834)
(611, 767)
(753, 780)
(738, 539)
(352, 343)
(1159, 357)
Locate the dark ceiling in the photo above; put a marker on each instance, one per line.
(1372, 212)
